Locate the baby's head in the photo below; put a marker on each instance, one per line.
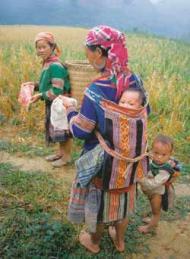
(162, 148)
(132, 98)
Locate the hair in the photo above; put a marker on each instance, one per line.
(93, 48)
(52, 45)
(142, 96)
(164, 140)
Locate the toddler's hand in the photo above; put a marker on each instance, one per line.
(172, 163)
(139, 180)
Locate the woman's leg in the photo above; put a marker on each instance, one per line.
(65, 149)
(120, 233)
(96, 237)
(91, 241)
(64, 152)
(117, 234)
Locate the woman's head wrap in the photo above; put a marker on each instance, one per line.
(114, 42)
(48, 36)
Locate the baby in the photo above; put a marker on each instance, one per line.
(132, 98)
(158, 184)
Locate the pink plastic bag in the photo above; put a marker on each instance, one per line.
(26, 92)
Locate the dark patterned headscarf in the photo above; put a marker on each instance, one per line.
(114, 42)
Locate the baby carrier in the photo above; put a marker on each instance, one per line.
(124, 142)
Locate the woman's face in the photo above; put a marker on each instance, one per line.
(43, 49)
(95, 58)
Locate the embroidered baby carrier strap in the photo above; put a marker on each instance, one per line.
(116, 154)
(126, 132)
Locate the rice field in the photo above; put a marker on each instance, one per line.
(163, 65)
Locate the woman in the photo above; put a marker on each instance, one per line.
(53, 81)
(99, 204)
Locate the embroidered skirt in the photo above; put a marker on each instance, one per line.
(92, 205)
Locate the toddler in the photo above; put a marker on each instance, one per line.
(158, 183)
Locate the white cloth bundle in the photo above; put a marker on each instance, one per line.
(58, 116)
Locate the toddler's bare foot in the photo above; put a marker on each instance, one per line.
(145, 229)
(120, 247)
(86, 241)
(146, 220)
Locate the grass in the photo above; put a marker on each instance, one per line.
(24, 148)
(185, 174)
(33, 222)
(35, 150)
(180, 211)
(25, 235)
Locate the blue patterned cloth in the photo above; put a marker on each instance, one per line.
(89, 164)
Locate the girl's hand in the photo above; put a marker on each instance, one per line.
(35, 98)
(29, 83)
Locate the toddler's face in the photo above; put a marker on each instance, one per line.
(130, 99)
(161, 153)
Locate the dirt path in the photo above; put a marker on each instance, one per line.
(172, 240)
(37, 164)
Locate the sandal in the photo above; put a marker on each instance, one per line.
(85, 240)
(146, 220)
(60, 162)
(53, 157)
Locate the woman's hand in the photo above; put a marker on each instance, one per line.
(67, 102)
(35, 98)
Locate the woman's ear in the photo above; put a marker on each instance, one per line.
(99, 51)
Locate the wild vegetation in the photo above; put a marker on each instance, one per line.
(33, 204)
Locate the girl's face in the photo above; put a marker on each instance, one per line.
(161, 153)
(43, 49)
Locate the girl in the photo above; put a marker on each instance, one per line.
(53, 81)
